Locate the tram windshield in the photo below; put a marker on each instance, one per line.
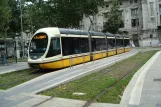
(38, 45)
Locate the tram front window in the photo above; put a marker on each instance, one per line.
(38, 45)
(54, 48)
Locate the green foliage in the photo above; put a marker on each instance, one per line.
(5, 16)
(114, 18)
(60, 13)
(9, 18)
(39, 13)
(15, 22)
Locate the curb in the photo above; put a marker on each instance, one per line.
(132, 93)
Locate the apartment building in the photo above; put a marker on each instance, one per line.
(142, 20)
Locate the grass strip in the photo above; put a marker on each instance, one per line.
(12, 79)
(95, 86)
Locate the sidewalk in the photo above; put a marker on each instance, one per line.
(10, 67)
(144, 90)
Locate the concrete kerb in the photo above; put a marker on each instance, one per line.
(2, 91)
(63, 102)
(35, 96)
(30, 103)
(132, 93)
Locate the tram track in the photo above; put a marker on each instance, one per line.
(78, 85)
(87, 104)
(108, 88)
(102, 72)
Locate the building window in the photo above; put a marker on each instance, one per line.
(134, 12)
(120, 2)
(106, 15)
(160, 12)
(122, 11)
(151, 8)
(107, 5)
(152, 19)
(135, 1)
(135, 22)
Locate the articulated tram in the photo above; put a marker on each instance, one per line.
(56, 48)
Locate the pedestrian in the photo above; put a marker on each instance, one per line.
(3, 55)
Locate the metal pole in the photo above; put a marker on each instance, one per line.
(21, 28)
(15, 45)
(115, 44)
(106, 46)
(124, 43)
(90, 46)
(137, 32)
(90, 41)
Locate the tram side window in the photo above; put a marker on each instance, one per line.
(103, 43)
(70, 46)
(118, 42)
(74, 45)
(66, 46)
(84, 45)
(98, 44)
(54, 48)
(126, 42)
(122, 42)
(111, 43)
(93, 44)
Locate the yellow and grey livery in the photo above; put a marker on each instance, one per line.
(56, 48)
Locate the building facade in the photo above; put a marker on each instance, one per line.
(142, 20)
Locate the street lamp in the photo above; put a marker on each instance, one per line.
(27, 41)
(116, 42)
(20, 4)
(28, 37)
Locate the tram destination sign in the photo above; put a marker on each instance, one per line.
(40, 37)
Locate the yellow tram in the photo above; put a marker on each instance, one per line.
(56, 48)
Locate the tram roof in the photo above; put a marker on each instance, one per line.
(72, 31)
(82, 32)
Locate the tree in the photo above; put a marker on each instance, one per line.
(15, 11)
(14, 25)
(5, 17)
(60, 13)
(114, 21)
